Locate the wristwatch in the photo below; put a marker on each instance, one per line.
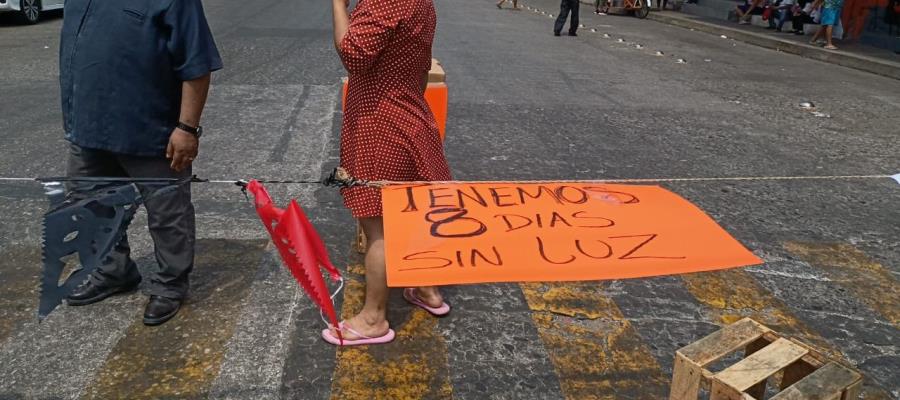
(197, 132)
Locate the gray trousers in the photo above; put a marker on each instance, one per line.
(170, 217)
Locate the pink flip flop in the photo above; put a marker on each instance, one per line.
(386, 338)
(410, 295)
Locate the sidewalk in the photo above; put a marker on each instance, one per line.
(852, 55)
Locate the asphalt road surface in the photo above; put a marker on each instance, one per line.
(523, 105)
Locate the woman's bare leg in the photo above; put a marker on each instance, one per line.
(817, 34)
(372, 319)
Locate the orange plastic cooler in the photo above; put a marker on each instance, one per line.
(435, 95)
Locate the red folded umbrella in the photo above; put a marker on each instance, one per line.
(300, 246)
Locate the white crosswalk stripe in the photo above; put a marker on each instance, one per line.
(255, 356)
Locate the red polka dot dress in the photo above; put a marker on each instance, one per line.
(388, 131)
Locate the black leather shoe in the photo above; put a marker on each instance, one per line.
(573, 34)
(160, 309)
(555, 33)
(90, 293)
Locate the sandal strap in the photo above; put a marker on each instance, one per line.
(346, 328)
(414, 297)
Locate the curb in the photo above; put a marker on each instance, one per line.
(859, 62)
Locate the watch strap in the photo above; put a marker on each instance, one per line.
(189, 129)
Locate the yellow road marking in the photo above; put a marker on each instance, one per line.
(181, 358)
(869, 281)
(596, 352)
(733, 294)
(413, 366)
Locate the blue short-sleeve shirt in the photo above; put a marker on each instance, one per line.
(122, 64)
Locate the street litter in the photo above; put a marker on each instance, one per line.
(820, 114)
(680, 61)
(659, 53)
(637, 46)
(707, 60)
(807, 105)
(593, 30)
(723, 37)
(620, 40)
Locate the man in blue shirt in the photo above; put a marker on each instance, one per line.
(134, 75)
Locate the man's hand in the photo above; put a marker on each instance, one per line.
(182, 149)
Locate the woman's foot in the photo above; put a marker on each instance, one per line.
(361, 327)
(429, 295)
(428, 299)
(830, 47)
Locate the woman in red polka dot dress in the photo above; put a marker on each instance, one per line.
(388, 133)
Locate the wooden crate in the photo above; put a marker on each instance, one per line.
(806, 373)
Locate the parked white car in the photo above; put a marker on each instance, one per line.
(30, 10)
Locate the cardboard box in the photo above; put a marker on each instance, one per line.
(436, 74)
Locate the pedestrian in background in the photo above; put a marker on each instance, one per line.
(830, 15)
(601, 7)
(802, 16)
(783, 12)
(388, 133)
(564, 7)
(747, 9)
(134, 78)
(515, 4)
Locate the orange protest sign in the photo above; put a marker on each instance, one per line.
(495, 232)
